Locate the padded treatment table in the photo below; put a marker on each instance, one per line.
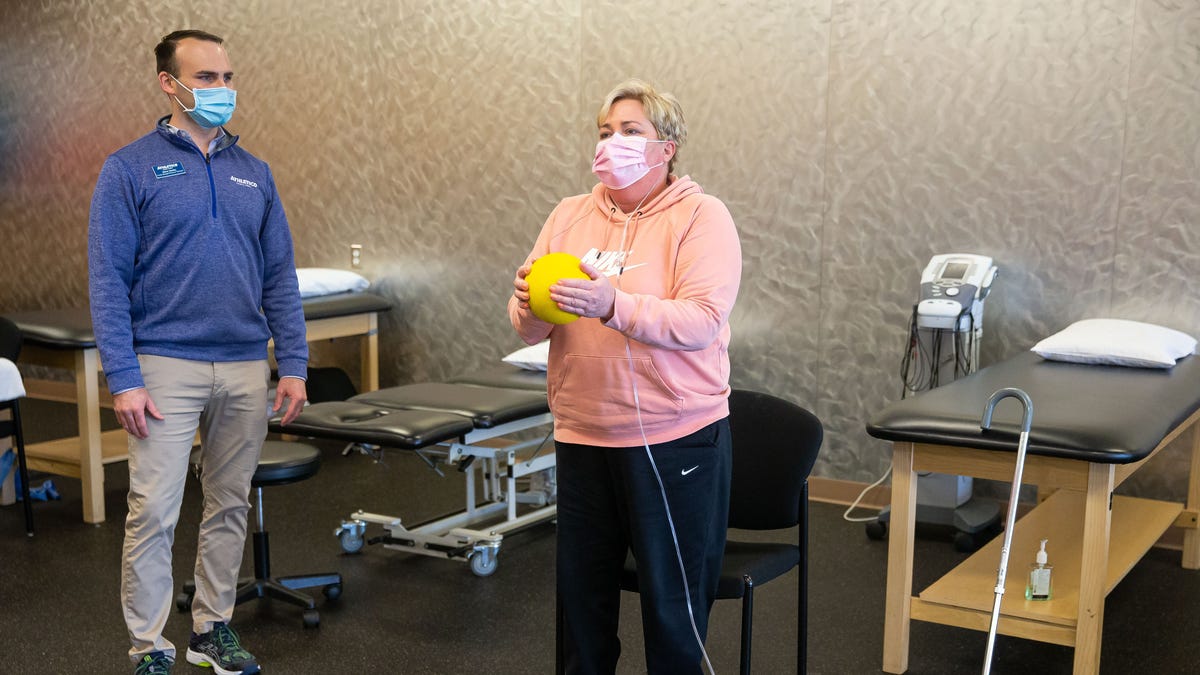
(505, 376)
(349, 315)
(1093, 427)
(451, 424)
(63, 338)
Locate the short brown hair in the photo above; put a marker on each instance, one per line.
(164, 51)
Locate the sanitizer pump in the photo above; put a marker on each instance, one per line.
(1038, 587)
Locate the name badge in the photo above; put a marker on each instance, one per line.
(167, 170)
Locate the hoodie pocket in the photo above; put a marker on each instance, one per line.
(596, 392)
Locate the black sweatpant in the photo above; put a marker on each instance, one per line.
(609, 502)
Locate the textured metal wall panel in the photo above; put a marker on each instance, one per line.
(851, 140)
(751, 78)
(974, 127)
(1158, 235)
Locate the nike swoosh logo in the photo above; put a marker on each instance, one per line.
(685, 472)
(612, 273)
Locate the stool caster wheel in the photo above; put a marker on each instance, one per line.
(876, 530)
(183, 602)
(311, 618)
(333, 591)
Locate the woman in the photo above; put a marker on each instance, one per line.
(644, 373)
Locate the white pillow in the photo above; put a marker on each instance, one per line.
(1117, 342)
(530, 358)
(316, 281)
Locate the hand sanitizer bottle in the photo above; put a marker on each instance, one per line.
(1038, 587)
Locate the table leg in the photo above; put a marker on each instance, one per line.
(1093, 572)
(91, 460)
(900, 559)
(1191, 536)
(370, 355)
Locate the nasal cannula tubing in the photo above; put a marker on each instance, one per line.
(653, 465)
(666, 507)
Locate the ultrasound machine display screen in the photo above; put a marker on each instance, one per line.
(955, 271)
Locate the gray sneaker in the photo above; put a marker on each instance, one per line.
(221, 650)
(154, 663)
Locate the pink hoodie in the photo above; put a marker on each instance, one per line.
(682, 265)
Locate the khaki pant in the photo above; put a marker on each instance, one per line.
(227, 403)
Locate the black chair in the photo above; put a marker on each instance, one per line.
(775, 445)
(10, 348)
(281, 463)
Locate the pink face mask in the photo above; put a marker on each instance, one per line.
(621, 160)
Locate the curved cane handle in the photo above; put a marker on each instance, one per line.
(1008, 392)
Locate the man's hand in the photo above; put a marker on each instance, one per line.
(291, 388)
(131, 408)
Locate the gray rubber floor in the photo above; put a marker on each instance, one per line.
(400, 613)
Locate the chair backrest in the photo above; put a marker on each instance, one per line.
(775, 444)
(10, 340)
(328, 384)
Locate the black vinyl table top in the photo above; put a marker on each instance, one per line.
(72, 328)
(1107, 414)
(505, 376)
(343, 304)
(486, 407)
(414, 416)
(57, 328)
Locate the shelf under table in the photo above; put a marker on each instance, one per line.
(965, 596)
(62, 456)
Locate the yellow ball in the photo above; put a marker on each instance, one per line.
(545, 272)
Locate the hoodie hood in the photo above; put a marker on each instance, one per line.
(676, 191)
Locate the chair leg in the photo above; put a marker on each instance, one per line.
(802, 587)
(19, 439)
(747, 622)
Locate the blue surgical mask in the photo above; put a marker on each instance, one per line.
(213, 106)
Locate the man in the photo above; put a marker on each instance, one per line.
(191, 271)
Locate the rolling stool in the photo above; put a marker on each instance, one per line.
(281, 463)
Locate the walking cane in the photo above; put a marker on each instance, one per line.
(1012, 504)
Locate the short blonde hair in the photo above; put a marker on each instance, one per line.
(662, 109)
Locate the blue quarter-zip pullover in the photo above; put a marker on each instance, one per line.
(191, 258)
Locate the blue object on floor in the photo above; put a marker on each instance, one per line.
(43, 493)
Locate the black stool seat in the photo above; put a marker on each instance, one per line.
(283, 462)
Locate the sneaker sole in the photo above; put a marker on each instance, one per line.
(196, 658)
